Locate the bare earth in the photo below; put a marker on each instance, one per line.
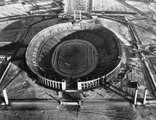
(95, 106)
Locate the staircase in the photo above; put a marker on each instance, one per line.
(72, 98)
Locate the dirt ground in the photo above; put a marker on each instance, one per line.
(24, 88)
(95, 106)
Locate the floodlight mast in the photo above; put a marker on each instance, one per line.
(90, 5)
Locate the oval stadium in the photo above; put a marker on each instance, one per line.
(70, 56)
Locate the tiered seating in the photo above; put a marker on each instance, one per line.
(107, 50)
(41, 55)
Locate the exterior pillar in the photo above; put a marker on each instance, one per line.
(145, 95)
(5, 97)
(64, 84)
(79, 85)
(136, 96)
